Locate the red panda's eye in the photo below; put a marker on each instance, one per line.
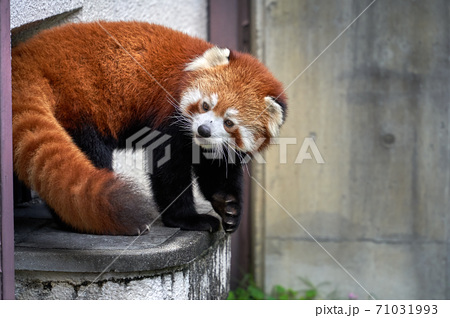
(228, 123)
(205, 106)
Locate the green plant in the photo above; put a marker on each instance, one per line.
(312, 291)
(248, 290)
(281, 293)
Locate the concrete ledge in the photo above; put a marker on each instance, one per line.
(167, 263)
(23, 12)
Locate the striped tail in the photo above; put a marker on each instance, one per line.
(88, 199)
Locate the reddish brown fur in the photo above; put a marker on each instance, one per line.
(242, 84)
(54, 76)
(79, 72)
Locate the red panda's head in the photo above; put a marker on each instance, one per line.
(232, 99)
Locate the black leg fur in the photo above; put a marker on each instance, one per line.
(172, 186)
(221, 183)
(98, 148)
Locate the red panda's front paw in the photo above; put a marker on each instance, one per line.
(229, 209)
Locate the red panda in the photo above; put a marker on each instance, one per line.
(80, 90)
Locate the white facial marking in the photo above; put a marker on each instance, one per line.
(215, 123)
(211, 100)
(191, 96)
(248, 139)
(275, 116)
(209, 118)
(213, 57)
(219, 135)
(274, 129)
(231, 113)
(194, 96)
(214, 98)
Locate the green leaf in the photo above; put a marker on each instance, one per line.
(311, 294)
(292, 294)
(249, 290)
(243, 294)
(231, 296)
(256, 293)
(277, 291)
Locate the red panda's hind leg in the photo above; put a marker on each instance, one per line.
(98, 148)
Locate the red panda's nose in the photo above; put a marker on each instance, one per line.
(204, 131)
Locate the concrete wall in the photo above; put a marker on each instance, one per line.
(376, 103)
(189, 15)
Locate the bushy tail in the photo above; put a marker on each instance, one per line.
(86, 198)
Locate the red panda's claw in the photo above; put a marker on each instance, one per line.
(229, 208)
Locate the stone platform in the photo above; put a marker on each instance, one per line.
(167, 263)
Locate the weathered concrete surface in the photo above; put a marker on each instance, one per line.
(377, 104)
(30, 17)
(166, 263)
(207, 276)
(24, 12)
(186, 15)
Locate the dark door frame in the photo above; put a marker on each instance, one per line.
(7, 284)
(229, 26)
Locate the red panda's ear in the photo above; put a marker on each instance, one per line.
(212, 57)
(276, 116)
